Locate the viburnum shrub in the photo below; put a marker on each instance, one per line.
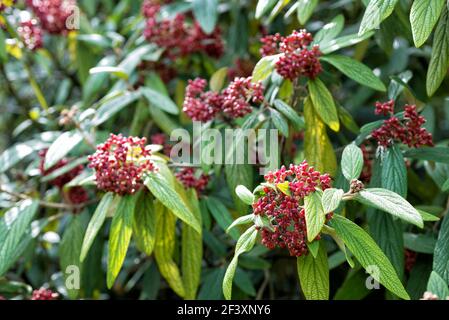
(294, 206)
(211, 149)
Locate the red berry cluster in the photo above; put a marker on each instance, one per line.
(368, 157)
(53, 14)
(235, 101)
(408, 131)
(161, 139)
(385, 108)
(75, 195)
(31, 34)
(297, 59)
(189, 179)
(178, 38)
(120, 164)
(44, 294)
(62, 179)
(285, 212)
(2, 297)
(201, 105)
(239, 95)
(410, 259)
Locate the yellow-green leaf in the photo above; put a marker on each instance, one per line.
(120, 236)
(324, 103)
(317, 146)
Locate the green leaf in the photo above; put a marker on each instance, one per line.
(439, 61)
(263, 6)
(343, 42)
(387, 232)
(192, 251)
(279, 122)
(165, 247)
(394, 171)
(305, 10)
(243, 281)
(217, 80)
(352, 162)
(206, 13)
(436, 154)
(244, 244)
(61, 147)
(239, 174)
(313, 247)
(330, 30)
(133, 59)
(314, 275)
(376, 12)
(427, 216)
(221, 215)
(445, 186)
(331, 199)
(420, 243)
(324, 103)
(144, 225)
(368, 254)
(70, 250)
(166, 194)
(120, 236)
(290, 114)
(315, 215)
(348, 120)
(438, 286)
(317, 145)
(244, 194)
(284, 187)
(96, 222)
(116, 71)
(423, 17)
(160, 100)
(3, 52)
(441, 253)
(111, 106)
(95, 82)
(392, 203)
(13, 227)
(211, 288)
(13, 155)
(249, 218)
(354, 286)
(64, 169)
(355, 70)
(264, 67)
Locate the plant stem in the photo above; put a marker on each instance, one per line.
(46, 204)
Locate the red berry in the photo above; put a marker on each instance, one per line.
(53, 14)
(120, 164)
(177, 37)
(284, 211)
(297, 59)
(62, 179)
(408, 131)
(188, 178)
(31, 34)
(44, 294)
(77, 195)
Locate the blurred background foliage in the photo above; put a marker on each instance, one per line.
(37, 86)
